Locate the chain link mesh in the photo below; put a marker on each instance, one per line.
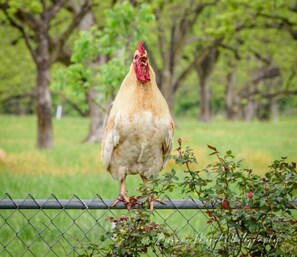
(53, 227)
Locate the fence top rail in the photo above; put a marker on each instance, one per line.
(96, 204)
(7, 202)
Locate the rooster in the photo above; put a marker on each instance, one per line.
(139, 130)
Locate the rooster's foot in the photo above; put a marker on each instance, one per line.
(128, 201)
(151, 201)
(121, 198)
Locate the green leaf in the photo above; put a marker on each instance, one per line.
(212, 148)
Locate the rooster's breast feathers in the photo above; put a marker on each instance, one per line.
(139, 131)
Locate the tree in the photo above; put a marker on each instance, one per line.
(101, 59)
(174, 42)
(35, 22)
(16, 81)
(204, 71)
(224, 42)
(96, 113)
(258, 76)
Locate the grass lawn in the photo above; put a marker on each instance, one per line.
(72, 167)
(75, 168)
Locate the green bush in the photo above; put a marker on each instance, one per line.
(250, 215)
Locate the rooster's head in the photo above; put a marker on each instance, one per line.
(141, 64)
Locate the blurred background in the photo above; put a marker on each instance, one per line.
(228, 70)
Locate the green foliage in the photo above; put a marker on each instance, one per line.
(243, 26)
(125, 25)
(16, 81)
(247, 27)
(34, 6)
(250, 215)
(135, 235)
(110, 77)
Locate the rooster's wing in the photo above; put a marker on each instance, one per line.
(167, 144)
(110, 140)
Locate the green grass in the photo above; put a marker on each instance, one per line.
(75, 168)
(258, 143)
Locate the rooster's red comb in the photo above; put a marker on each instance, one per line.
(141, 48)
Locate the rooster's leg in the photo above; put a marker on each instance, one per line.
(123, 197)
(151, 198)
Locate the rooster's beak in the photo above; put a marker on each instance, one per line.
(143, 59)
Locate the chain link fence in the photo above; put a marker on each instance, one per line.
(54, 227)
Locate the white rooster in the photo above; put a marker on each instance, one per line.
(139, 130)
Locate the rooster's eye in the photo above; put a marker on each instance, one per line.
(136, 56)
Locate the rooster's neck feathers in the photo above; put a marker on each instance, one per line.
(134, 96)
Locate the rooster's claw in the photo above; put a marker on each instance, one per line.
(151, 201)
(128, 201)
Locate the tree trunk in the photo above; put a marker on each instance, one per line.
(43, 97)
(96, 117)
(273, 85)
(45, 50)
(250, 110)
(204, 71)
(230, 97)
(205, 99)
(97, 114)
(274, 109)
(167, 90)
